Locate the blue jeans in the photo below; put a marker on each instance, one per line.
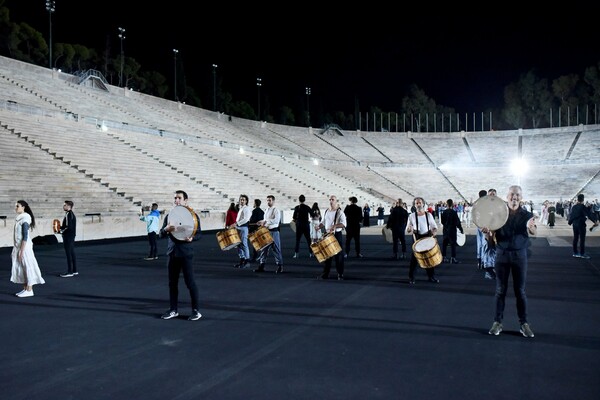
(507, 262)
(243, 250)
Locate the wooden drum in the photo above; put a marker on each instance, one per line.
(427, 252)
(56, 226)
(260, 238)
(326, 247)
(228, 238)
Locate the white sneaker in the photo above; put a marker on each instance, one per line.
(18, 294)
(25, 293)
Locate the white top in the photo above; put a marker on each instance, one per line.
(329, 219)
(422, 222)
(272, 217)
(243, 216)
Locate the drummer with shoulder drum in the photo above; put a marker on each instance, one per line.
(181, 257)
(334, 221)
(421, 224)
(241, 224)
(271, 221)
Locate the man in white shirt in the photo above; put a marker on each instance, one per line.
(334, 221)
(271, 221)
(241, 223)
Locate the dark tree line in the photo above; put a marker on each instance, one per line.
(531, 102)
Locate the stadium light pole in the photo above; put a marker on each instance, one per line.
(308, 105)
(50, 7)
(175, 51)
(258, 85)
(122, 37)
(214, 87)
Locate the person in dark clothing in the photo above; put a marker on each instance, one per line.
(68, 230)
(366, 215)
(354, 217)
(512, 242)
(257, 215)
(302, 217)
(450, 223)
(181, 259)
(577, 217)
(397, 224)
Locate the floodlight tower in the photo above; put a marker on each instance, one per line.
(308, 105)
(214, 87)
(175, 51)
(122, 37)
(50, 7)
(258, 85)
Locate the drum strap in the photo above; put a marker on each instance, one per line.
(417, 234)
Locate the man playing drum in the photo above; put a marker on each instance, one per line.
(421, 224)
(334, 220)
(241, 223)
(271, 221)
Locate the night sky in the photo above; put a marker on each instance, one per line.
(369, 54)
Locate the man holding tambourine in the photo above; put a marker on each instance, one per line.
(182, 227)
(512, 242)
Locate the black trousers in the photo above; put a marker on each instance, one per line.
(338, 258)
(302, 230)
(153, 244)
(69, 244)
(353, 234)
(176, 266)
(579, 238)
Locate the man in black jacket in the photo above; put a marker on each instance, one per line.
(577, 217)
(451, 223)
(181, 259)
(354, 217)
(397, 224)
(68, 230)
(301, 217)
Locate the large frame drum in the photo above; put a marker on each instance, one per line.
(228, 238)
(185, 221)
(490, 212)
(326, 247)
(260, 238)
(427, 252)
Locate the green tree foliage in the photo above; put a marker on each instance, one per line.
(527, 102)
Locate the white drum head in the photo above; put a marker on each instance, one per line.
(184, 220)
(490, 212)
(460, 237)
(387, 235)
(425, 244)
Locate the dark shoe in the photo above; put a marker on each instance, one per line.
(340, 277)
(322, 277)
(195, 316)
(411, 281)
(446, 260)
(434, 280)
(279, 269)
(403, 256)
(66, 275)
(394, 257)
(240, 264)
(261, 268)
(454, 261)
(359, 255)
(584, 256)
(170, 314)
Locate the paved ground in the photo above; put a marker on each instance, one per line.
(289, 336)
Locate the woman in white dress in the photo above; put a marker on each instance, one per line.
(25, 268)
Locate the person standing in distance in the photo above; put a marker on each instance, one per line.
(181, 258)
(302, 217)
(152, 221)
(68, 230)
(512, 241)
(577, 217)
(354, 217)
